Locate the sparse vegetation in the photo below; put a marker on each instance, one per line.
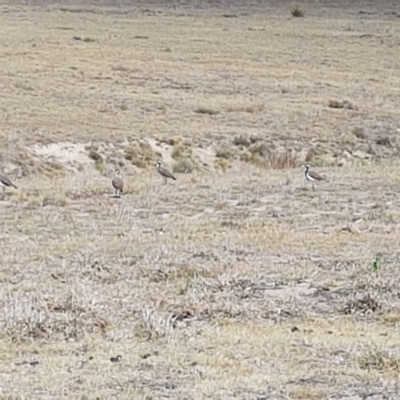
(242, 141)
(100, 166)
(184, 166)
(140, 154)
(282, 159)
(182, 154)
(379, 360)
(261, 154)
(297, 12)
(256, 154)
(206, 110)
(234, 281)
(222, 164)
(359, 132)
(224, 152)
(181, 150)
(376, 265)
(345, 104)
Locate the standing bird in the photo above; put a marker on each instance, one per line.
(118, 183)
(164, 172)
(5, 182)
(312, 176)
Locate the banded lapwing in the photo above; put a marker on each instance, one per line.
(164, 172)
(312, 176)
(118, 183)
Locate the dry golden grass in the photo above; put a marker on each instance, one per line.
(233, 282)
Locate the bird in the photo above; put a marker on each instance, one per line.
(5, 182)
(312, 176)
(164, 172)
(118, 183)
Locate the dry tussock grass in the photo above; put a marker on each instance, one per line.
(241, 283)
(202, 275)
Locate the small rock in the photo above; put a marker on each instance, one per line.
(345, 104)
(360, 154)
(347, 155)
(359, 132)
(384, 141)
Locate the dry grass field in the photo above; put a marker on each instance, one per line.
(237, 281)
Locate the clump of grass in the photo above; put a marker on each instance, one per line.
(22, 321)
(249, 157)
(241, 141)
(260, 154)
(225, 153)
(100, 166)
(376, 265)
(206, 110)
(379, 361)
(28, 318)
(259, 148)
(297, 11)
(168, 140)
(255, 154)
(140, 154)
(363, 305)
(222, 163)
(182, 154)
(184, 166)
(359, 132)
(181, 150)
(282, 159)
(155, 324)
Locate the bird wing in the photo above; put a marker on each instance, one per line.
(5, 181)
(167, 173)
(315, 176)
(118, 183)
